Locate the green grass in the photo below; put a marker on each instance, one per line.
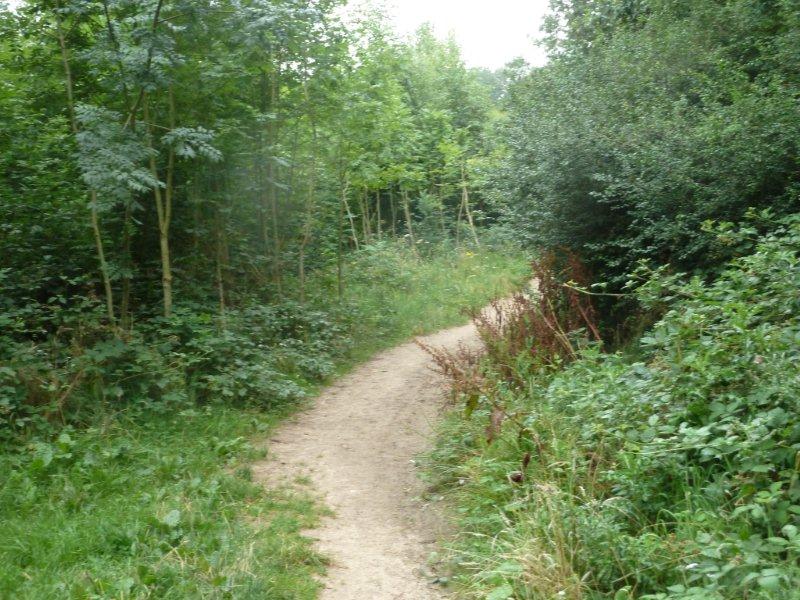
(398, 294)
(160, 504)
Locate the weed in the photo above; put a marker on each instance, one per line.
(667, 473)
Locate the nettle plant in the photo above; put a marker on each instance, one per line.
(701, 441)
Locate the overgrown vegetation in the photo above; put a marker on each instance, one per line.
(632, 430)
(180, 180)
(207, 209)
(667, 471)
(137, 483)
(652, 117)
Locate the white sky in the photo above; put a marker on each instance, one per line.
(490, 32)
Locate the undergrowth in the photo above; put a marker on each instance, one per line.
(667, 471)
(124, 465)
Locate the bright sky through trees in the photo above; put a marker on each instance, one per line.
(490, 33)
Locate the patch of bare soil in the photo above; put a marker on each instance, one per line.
(357, 446)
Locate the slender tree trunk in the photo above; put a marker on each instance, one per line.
(458, 221)
(163, 208)
(363, 209)
(340, 243)
(465, 195)
(62, 43)
(407, 211)
(393, 211)
(93, 200)
(262, 180)
(350, 216)
(101, 256)
(273, 190)
(378, 214)
(169, 194)
(221, 265)
(365, 218)
(309, 210)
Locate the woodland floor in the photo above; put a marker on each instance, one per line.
(356, 446)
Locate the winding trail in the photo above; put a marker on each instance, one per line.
(357, 445)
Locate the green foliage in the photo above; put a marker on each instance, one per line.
(668, 472)
(124, 461)
(258, 356)
(651, 118)
(418, 294)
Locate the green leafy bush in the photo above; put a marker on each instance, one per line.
(671, 475)
(650, 118)
(263, 356)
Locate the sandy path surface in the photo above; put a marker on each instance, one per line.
(357, 444)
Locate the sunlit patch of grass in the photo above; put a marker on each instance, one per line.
(397, 293)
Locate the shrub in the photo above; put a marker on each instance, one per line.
(671, 475)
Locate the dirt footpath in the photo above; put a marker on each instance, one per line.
(357, 446)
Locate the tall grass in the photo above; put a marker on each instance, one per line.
(396, 293)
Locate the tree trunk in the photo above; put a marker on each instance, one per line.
(309, 210)
(221, 264)
(273, 190)
(340, 243)
(465, 196)
(407, 211)
(458, 221)
(101, 256)
(94, 216)
(364, 199)
(393, 211)
(378, 214)
(163, 207)
(351, 218)
(263, 169)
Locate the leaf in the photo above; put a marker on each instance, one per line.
(43, 456)
(770, 582)
(504, 592)
(495, 424)
(172, 519)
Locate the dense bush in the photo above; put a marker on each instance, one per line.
(652, 117)
(672, 474)
(61, 364)
(263, 355)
